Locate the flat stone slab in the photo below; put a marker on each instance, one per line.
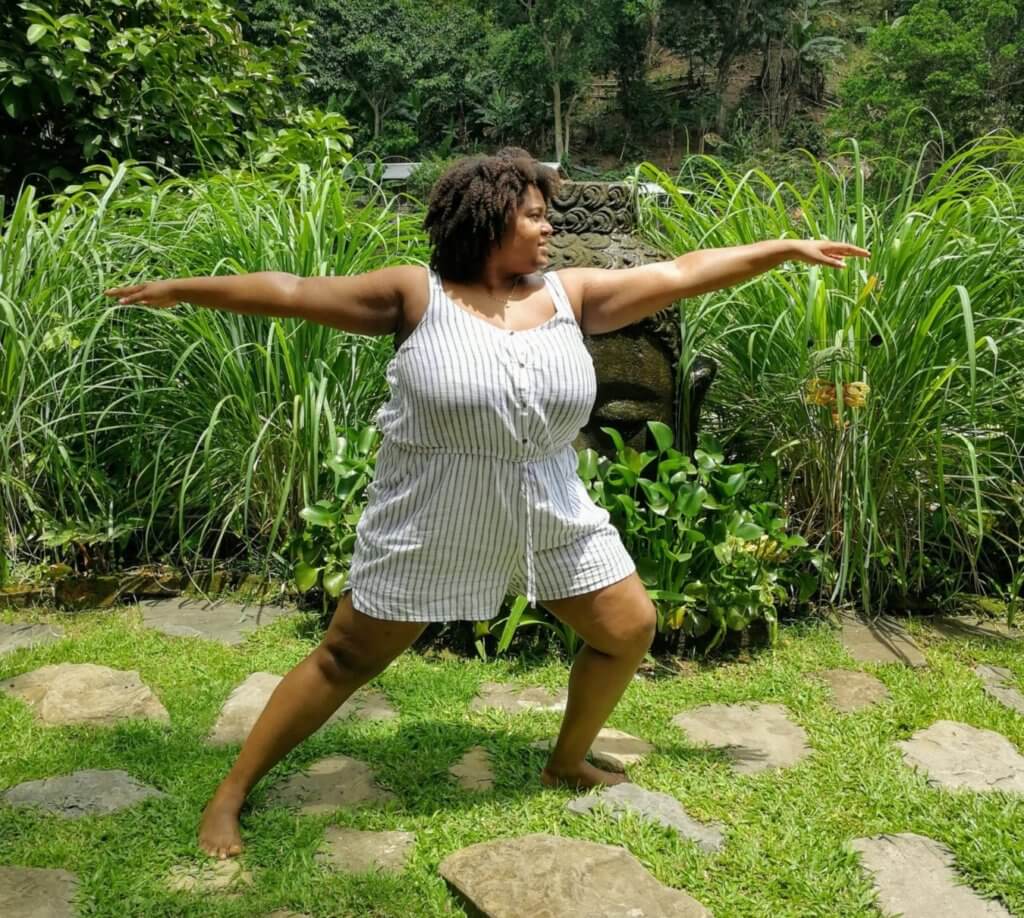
(84, 693)
(914, 877)
(545, 876)
(357, 851)
(37, 892)
(226, 622)
(853, 690)
(613, 749)
(880, 640)
(959, 756)
(1001, 684)
(651, 806)
(329, 784)
(89, 792)
(211, 876)
(473, 771)
(515, 698)
(247, 701)
(970, 626)
(27, 634)
(755, 737)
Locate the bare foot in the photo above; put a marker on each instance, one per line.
(218, 830)
(581, 777)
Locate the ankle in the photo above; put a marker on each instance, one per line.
(232, 794)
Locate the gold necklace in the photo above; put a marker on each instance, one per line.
(512, 290)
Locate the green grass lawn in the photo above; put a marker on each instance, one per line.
(787, 833)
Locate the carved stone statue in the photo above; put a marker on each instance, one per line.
(636, 366)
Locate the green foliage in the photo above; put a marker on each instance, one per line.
(320, 554)
(949, 70)
(149, 80)
(712, 552)
(889, 391)
(208, 426)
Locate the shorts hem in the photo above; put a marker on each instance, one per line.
(588, 586)
(360, 604)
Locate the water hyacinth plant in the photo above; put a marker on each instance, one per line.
(889, 392)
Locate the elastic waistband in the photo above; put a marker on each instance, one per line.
(446, 451)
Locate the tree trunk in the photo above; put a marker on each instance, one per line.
(771, 86)
(721, 85)
(557, 92)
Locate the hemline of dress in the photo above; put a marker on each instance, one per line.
(613, 575)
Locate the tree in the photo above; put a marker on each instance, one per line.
(142, 80)
(560, 42)
(959, 63)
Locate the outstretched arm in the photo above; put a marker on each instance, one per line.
(606, 300)
(367, 304)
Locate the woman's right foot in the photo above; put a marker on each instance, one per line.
(219, 835)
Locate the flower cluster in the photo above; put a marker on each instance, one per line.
(821, 392)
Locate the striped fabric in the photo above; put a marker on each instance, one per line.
(476, 493)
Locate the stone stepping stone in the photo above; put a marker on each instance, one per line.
(914, 877)
(651, 806)
(969, 626)
(84, 693)
(90, 792)
(474, 771)
(881, 640)
(247, 701)
(358, 851)
(27, 634)
(1000, 683)
(755, 737)
(959, 756)
(852, 690)
(210, 876)
(546, 875)
(515, 699)
(329, 784)
(37, 892)
(613, 750)
(226, 622)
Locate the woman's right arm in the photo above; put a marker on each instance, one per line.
(367, 304)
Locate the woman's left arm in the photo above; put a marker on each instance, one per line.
(609, 299)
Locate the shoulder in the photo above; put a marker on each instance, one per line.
(571, 280)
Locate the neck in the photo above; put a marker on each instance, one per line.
(498, 281)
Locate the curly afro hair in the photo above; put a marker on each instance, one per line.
(471, 204)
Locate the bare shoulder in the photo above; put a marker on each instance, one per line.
(572, 282)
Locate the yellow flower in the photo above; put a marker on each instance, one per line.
(820, 392)
(855, 394)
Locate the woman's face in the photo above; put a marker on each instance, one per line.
(522, 248)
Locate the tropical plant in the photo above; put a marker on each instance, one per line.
(889, 392)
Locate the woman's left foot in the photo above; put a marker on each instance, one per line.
(581, 777)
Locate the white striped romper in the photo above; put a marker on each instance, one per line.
(476, 493)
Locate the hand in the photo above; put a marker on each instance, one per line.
(816, 252)
(153, 293)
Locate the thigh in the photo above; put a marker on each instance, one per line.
(366, 643)
(611, 617)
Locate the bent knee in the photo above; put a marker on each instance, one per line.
(633, 631)
(349, 658)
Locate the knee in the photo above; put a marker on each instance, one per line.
(634, 632)
(348, 659)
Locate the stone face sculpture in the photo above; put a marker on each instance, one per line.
(636, 366)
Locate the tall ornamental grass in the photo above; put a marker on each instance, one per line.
(131, 429)
(889, 391)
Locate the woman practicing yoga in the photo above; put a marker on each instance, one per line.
(475, 493)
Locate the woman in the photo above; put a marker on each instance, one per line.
(475, 492)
